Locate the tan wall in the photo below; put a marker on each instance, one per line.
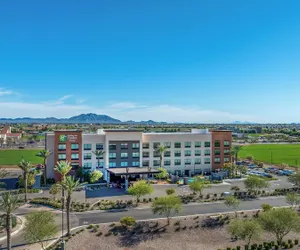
(220, 136)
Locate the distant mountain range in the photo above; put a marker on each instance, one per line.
(83, 118)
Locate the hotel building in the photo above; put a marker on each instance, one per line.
(188, 153)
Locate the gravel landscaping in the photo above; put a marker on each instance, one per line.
(194, 232)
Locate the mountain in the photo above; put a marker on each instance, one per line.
(83, 118)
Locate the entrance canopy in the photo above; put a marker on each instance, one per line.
(131, 171)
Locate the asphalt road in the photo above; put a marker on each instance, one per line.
(93, 217)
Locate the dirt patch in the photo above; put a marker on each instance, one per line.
(194, 232)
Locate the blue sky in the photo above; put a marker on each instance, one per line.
(190, 61)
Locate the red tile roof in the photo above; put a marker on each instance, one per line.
(4, 131)
(13, 134)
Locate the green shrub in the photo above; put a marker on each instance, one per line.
(127, 221)
(291, 245)
(90, 226)
(296, 242)
(238, 248)
(99, 233)
(170, 191)
(112, 225)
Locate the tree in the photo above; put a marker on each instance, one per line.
(295, 179)
(235, 152)
(163, 173)
(26, 167)
(197, 186)
(246, 230)
(99, 154)
(293, 199)
(230, 167)
(168, 206)
(232, 202)
(30, 180)
(39, 227)
(161, 149)
(280, 222)
(8, 204)
(63, 168)
(3, 174)
(54, 190)
(170, 191)
(139, 189)
(44, 154)
(266, 207)
(250, 157)
(253, 183)
(95, 176)
(70, 184)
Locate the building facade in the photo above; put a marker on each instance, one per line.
(188, 153)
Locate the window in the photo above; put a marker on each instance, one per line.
(197, 160)
(187, 144)
(101, 164)
(74, 146)
(217, 144)
(197, 152)
(156, 145)
(124, 155)
(112, 155)
(87, 156)
(187, 162)
(135, 145)
(187, 152)
(226, 151)
(206, 160)
(167, 162)
(135, 163)
(206, 152)
(217, 151)
(167, 144)
(87, 146)
(145, 163)
(177, 162)
(62, 156)
(156, 163)
(74, 156)
(99, 157)
(112, 146)
(217, 159)
(226, 159)
(226, 143)
(112, 164)
(207, 144)
(177, 153)
(145, 154)
(124, 163)
(135, 155)
(167, 154)
(74, 165)
(177, 145)
(61, 146)
(124, 145)
(87, 165)
(146, 145)
(156, 154)
(99, 146)
(197, 144)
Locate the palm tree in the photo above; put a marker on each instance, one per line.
(70, 184)
(161, 149)
(235, 152)
(99, 154)
(44, 154)
(26, 167)
(8, 204)
(63, 168)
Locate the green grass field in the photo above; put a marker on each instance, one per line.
(273, 153)
(14, 156)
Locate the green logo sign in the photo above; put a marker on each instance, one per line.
(62, 138)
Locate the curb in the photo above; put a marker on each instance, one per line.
(17, 231)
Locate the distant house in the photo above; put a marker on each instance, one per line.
(6, 134)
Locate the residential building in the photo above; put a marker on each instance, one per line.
(6, 135)
(188, 153)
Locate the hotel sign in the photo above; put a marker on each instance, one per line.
(70, 138)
